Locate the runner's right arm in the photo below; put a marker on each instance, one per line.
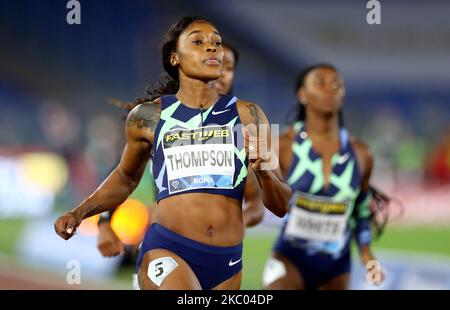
(140, 125)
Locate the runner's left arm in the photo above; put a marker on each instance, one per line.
(264, 162)
(253, 213)
(361, 215)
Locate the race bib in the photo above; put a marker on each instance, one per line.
(199, 158)
(317, 218)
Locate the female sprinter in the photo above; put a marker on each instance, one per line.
(200, 169)
(110, 245)
(328, 171)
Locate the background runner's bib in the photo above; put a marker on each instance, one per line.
(317, 218)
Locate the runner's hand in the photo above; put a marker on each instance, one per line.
(108, 243)
(67, 225)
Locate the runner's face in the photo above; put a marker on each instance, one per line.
(225, 82)
(323, 90)
(199, 52)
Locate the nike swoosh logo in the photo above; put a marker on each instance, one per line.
(219, 112)
(342, 159)
(231, 263)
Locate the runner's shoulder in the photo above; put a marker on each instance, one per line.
(360, 147)
(288, 134)
(143, 117)
(144, 108)
(363, 153)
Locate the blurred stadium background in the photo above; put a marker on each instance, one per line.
(59, 137)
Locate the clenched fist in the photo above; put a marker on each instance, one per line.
(256, 149)
(66, 225)
(108, 243)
